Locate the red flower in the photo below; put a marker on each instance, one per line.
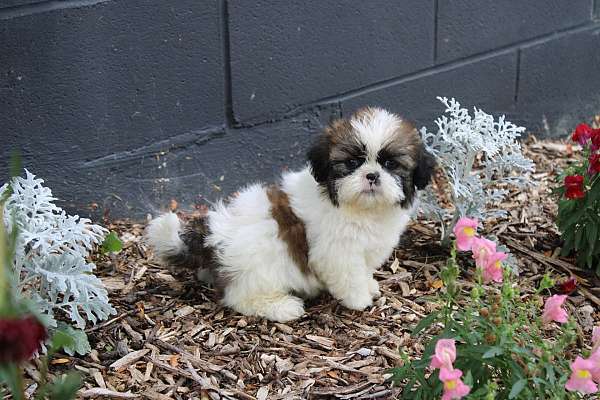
(595, 135)
(574, 187)
(568, 286)
(582, 134)
(20, 338)
(594, 164)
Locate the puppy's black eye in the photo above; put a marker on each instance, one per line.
(390, 164)
(353, 163)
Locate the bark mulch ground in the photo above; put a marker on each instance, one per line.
(172, 340)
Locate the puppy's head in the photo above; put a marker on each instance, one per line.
(370, 160)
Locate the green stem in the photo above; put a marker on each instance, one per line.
(4, 287)
(446, 231)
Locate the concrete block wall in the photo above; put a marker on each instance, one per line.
(123, 105)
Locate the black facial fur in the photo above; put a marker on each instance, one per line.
(338, 152)
(318, 157)
(424, 169)
(327, 168)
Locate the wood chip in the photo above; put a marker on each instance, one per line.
(323, 341)
(202, 350)
(184, 311)
(103, 392)
(129, 359)
(262, 393)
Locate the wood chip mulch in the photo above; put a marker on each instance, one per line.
(172, 340)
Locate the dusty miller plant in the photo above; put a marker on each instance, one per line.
(50, 262)
(460, 141)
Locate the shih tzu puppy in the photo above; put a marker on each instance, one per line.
(325, 227)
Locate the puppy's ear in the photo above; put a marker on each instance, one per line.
(424, 170)
(318, 157)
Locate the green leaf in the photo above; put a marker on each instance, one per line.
(517, 388)
(60, 340)
(594, 193)
(425, 323)
(591, 231)
(546, 283)
(65, 388)
(468, 380)
(112, 244)
(550, 374)
(71, 340)
(578, 239)
(14, 170)
(492, 352)
(479, 392)
(568, 243)
(11, 376)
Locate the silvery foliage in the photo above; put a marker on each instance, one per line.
(51, 254)
(460, 140)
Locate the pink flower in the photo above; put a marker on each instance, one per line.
(482, 248)
(596, 337)
(445, 354)
(465, 230)
(493, 268)
(553, 310)
(595, 359)
(581, 377)
(454, 388)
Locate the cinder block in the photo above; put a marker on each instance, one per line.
(195, 168)
(289, 53)
(467, 27)
(13, 3)
(82, 83)
(487, 84)
(559, 81)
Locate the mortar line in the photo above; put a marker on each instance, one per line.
(226, 49)
(518, 77)
(429, 71)
(435, 31)
(45, 6)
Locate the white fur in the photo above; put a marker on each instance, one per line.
(346, 245)
(163, 235)
(346, 242)
(375, 131)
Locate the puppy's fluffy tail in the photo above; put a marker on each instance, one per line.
(179, 245)
(163, 235)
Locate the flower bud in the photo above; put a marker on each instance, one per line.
(20, 338)
(490, 338)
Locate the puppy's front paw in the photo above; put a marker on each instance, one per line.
(287, 309)
(358, 301)
(374, 289)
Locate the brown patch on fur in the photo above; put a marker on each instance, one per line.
(339, 130)
(343, 141)
(407, 141)
(291, 228)
(197, 254)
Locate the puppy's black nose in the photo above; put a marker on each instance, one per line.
(373, 177)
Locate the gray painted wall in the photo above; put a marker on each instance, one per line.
(123, 105)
